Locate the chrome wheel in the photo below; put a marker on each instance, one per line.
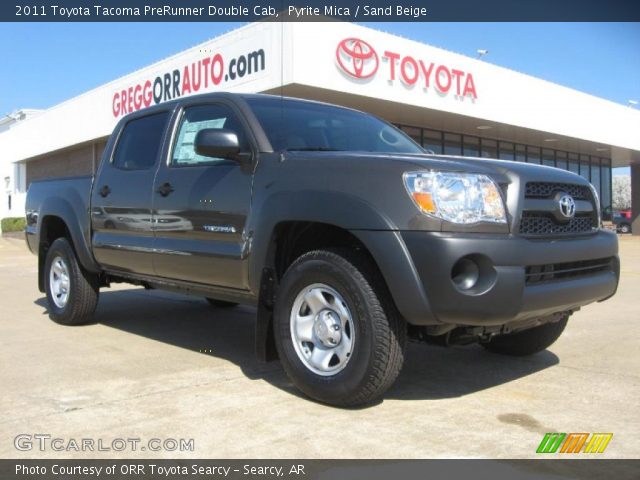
(59, 282)
(322, 329)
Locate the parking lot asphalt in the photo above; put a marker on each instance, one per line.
(157, 365)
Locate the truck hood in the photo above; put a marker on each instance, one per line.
(503, 171)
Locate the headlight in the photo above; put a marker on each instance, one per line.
(456, 197)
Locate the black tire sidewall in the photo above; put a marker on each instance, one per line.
(335, 388)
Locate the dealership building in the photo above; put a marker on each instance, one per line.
(450, 103)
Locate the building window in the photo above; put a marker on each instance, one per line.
(548, 157)
(489, 148)
(533, 154)
(506, 151)
(561, 160)
(574, 165)
(9, 202)
(584, 166)
(521, 153)
(432, 140)
(414, 133)
(471, 146)
(452, 144)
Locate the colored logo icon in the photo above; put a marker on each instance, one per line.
(574, 443)
(357, 58)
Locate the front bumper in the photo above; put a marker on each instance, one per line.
(506, 296)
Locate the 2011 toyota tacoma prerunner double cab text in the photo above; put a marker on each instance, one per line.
(346, 234)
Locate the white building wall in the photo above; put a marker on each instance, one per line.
(13, 175)
(503, 95)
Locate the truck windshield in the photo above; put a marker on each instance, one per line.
(305, 126)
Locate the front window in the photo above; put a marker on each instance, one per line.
(304, 126)
(194, 119)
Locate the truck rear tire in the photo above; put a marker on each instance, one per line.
(72, 292)
(337, 332)
(527, 342)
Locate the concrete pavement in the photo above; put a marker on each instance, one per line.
(159, 365)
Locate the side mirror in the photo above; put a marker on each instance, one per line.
(217, 143)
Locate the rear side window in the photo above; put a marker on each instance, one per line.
(139, 142)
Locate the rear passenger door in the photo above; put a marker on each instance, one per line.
(121, 217)
(201, 203)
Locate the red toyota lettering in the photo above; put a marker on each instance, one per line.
(392, 57)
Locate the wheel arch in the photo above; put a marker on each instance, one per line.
(60, 219)
(384, 249)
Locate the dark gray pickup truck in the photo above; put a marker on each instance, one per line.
(346, 234)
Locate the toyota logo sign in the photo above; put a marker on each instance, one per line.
(357, 58)
(567, 206)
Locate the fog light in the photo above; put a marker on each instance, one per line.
(473, 274)
(465, 274)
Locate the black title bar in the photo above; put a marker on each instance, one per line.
(144, 469)
(319, 10)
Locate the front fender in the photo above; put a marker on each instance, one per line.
(333, 208)
(376, 231)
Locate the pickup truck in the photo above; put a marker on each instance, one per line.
(347, 236)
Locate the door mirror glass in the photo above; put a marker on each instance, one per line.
(217, 143)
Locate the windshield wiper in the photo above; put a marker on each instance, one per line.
(313, 149)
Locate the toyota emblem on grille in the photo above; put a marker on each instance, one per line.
(567, 206)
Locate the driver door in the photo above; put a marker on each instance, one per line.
(201, 204)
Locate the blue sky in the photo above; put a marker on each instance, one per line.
(44, 64)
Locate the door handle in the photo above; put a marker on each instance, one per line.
(104, 191)
(165, 189)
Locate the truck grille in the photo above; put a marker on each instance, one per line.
(546, 190)
(539, 219)
(537, 223)
(557, 271)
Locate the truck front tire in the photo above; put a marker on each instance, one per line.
(527, 342)
(72, 292)
(338, 334)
